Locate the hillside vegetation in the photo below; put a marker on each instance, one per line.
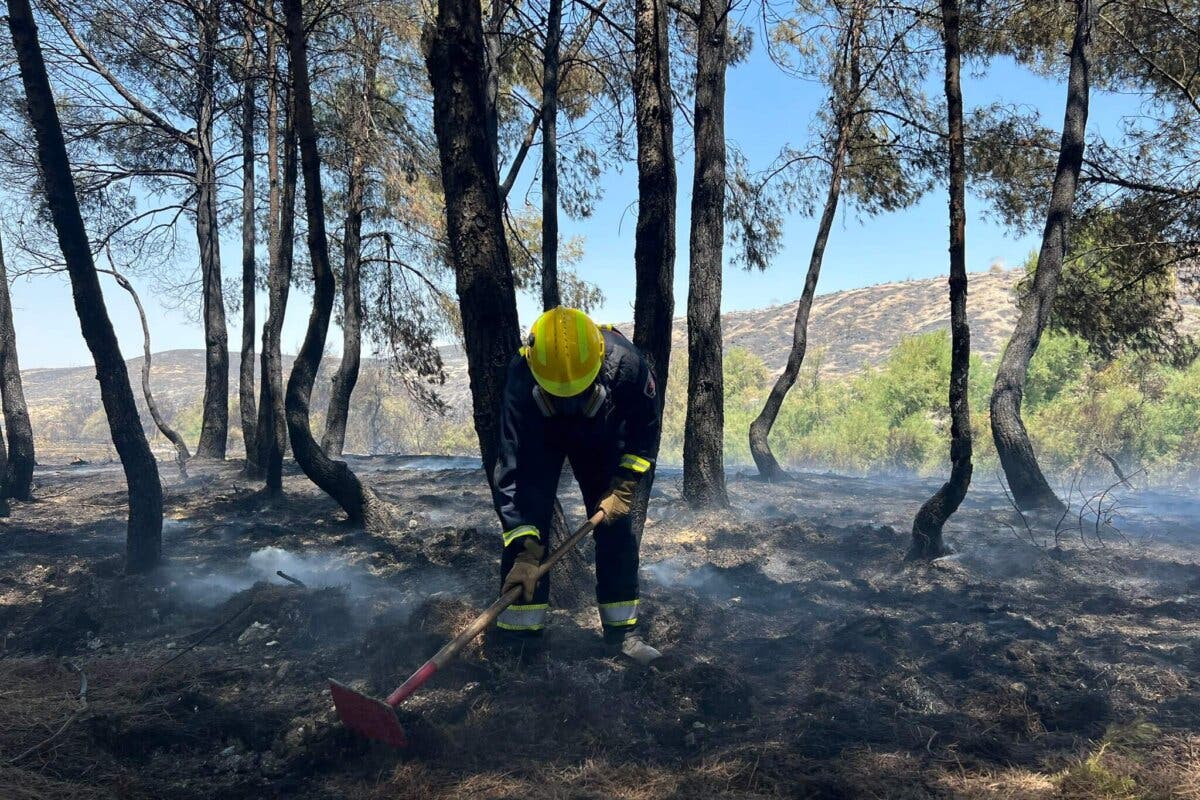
(1144, 414)
(871, 394)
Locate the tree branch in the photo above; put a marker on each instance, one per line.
(100, 69)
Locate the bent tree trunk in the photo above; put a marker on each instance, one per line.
(550, 295)
(760, 429)
(143, 543)
(361, 505)
(272, 421)
(346, 377)
(654, 242)
(931, 518)
(483, 272)
(1029, 487)
(249, 267)
(17, 478)
(704, 430)
(181, 448)
(214, 426)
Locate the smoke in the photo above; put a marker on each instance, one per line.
(421, 463)
(320, 569)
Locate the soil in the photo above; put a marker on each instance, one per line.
(804, 658)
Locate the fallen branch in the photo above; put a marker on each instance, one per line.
(290, 579)
(205, 637)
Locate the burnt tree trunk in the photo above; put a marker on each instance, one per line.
(491, 78)
(5, 506)
(760, 428)
(346, 376)
(931, 518)
(143, 542)
(181, 449)
(654, 242)
(249, 267)
(704, 428)
(361, 505)
(550, 295)
(272, 421)
(478, 249)
(1030, 490)
(17, 478)
(214, 426)
(256, 467)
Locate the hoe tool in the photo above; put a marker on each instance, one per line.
(376, 719)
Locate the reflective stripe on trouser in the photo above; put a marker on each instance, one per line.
(622, 614)
(523, 618)
(635, 464)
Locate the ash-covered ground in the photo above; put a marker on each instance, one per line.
(805, 658)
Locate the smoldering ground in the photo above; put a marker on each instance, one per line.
(805, 658)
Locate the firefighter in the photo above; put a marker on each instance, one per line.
(585, 394)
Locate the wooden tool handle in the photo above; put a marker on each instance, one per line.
(480, 623)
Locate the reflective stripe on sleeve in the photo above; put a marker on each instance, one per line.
(634, 463)
(523, 618)
(518, 532)
(620, 614)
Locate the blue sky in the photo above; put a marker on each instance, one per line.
(765, 110)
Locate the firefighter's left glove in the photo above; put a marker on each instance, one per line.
(619, 500)
(524, 572)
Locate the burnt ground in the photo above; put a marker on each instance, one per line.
(805, 659)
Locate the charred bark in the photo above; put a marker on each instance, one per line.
(346, 376)
(1029, 487)
(214, 426)
(361, 505)
(249, 266)
(5, 506)
(760, 430)
(143, 544)
(478, 250)
(491, 78)
(256, 467)
(272, 421)
(654, 242)
(704, 428)
(927, 540)
(550, 59)
(17, 481)
(279, 283)
(181, 449)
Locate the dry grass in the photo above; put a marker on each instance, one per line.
(593, 778)
(39, 697)
(24, 784)
(1133, 762)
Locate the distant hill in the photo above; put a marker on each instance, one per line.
(852, 329)
(859, 327)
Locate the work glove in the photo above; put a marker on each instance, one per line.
(524, 569)
(619, 500)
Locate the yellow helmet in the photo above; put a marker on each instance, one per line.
(565, 351)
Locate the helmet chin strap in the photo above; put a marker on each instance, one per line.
(550, 405)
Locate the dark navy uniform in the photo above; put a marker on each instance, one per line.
(608, 432)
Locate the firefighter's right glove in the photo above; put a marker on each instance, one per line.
(524, 572)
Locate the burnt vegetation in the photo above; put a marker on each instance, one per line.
(407, 178)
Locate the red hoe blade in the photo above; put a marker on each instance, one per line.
(376, 719)
(367, 716)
